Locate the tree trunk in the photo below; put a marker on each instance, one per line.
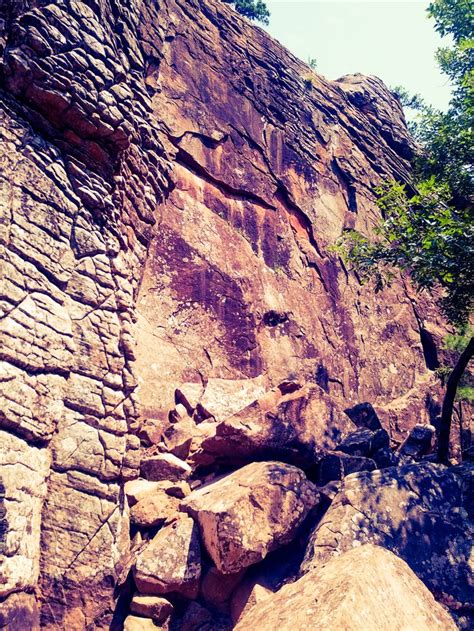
(448, 401)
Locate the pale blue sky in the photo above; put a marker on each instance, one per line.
(393, 40)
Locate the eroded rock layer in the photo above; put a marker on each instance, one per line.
(171, 179)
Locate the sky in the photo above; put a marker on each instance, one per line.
(394, 40)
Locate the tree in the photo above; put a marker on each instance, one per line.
(448, 137)
(429, 233)
(252, 9)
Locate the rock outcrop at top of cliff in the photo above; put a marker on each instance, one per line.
(171, 179)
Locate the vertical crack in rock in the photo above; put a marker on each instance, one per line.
(165, 183)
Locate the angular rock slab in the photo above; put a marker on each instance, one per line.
(250, 512)
(365, 589)
(153, 510)
(164, 467)
(296, 427)
(419, 512)
(171, 562)
(154, 607)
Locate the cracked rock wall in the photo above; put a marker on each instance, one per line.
(170, 181)
(271, 162)
(82, 173)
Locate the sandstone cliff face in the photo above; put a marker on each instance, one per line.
(270, 163)
(171, 179)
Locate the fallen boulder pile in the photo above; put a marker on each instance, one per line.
(293, 513)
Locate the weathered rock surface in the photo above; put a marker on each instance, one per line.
(167, 178)
(420, 512)
(164, 467)
(19, 611)
(365, 588)
(154, 607)
(336, 465)
(154, 509)
(75, 216)
(298, 427)
(250, 512)
(216, 587)
(419, 441)
(137, 623)
(171, 562)
(22, 492)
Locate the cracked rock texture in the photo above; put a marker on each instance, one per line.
(297, 427)
(250, 512)
(171, 562)
(365, 588)
(422, 513)
(169, 185)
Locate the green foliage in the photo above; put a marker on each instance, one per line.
(453, 17)
(443, 372)
(447, 137)
(458, 341)
(465, 393)
(312, 63)
(430, 234)
(423, 235)
(413, 101)
(252, 9)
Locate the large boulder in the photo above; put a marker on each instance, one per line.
(419, 512)
(171, 562)
(288, 424)
(365, 589)
(248, 513)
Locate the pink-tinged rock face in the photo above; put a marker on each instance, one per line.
(239, 284)
(365, 588)
(171, 562)
(169, 189)
(297, 427)
(250, 512)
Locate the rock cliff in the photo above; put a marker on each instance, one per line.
(171, 180)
